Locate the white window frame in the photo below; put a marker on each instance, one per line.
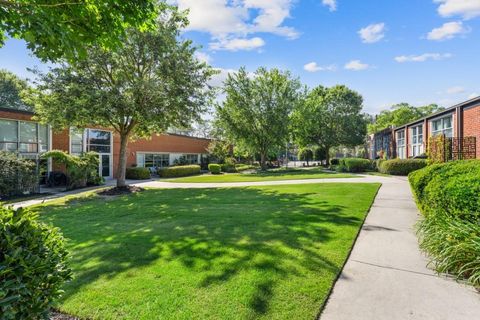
(140, 157)
(443, 130)
(401, 148)
(417, 140)
(19, 141)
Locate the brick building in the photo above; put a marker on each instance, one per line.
(19, 133)
(410, 140)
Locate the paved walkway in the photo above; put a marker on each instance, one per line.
(386, 276)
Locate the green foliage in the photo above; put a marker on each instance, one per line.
(33, 265)
(214, 168)
(137, 173)
(179, 171)
(13, 91)
(244, 167)
(305, 154)
(330, 117)
(219, 150)
(64, 29)
(80, 170)
(17, 176)
(256, 110)
(354, 164)
(319, 154)
(152, 83)
(447, 195)
(334, 161)
(401, 167)
(438, 149)
(401, 114)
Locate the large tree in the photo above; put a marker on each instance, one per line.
(54, 29)
(400, 114)
(330, 117)
(12, 91)
(152, 83)
(257, 108)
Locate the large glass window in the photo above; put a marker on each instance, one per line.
(23, 136)
(417, 140)
(153, 160)
(99, 141)
(443, 126)
(401, 144)
(8, 135)
(191, 158)
(76, 141)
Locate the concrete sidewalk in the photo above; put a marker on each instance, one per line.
(386, 276)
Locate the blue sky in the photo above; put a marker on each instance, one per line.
(390, 51)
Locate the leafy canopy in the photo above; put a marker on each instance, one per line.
(12, 91)
(55, 29)
(330, 117)
(257, 109)
(152, 83)
(401, 114)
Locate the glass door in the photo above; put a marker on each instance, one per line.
(104, 168)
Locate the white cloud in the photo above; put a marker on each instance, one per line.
(218, 79)
(203, 57)
(455, 90)
(466, 8)
(237, 44)
(229, 20)
(473, 95)
(423, 57)
(356, 65)
(372, 33)
(331, 4)
(447, 31)
(314, 67)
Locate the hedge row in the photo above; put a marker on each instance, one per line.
(214, 168)
(137, 173)
(179, 171)
(353, 164)
(400, 167)
(448, 195)
(17, 176)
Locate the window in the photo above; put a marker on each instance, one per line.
(23, 136)
(443, 126)
(191, 158)
(76, 141)
(98, 141)
(417, 140)
(153, 160)
(401, 144)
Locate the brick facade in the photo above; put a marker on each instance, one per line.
(471, 124)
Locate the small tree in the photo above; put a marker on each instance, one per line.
(12, 91)
(319, 154)
(220, 150)
(305, 154)
(152, 83)
(257, 109)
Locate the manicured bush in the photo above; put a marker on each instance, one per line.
(214, 168)
(401, 167)
(17, 176)
(448, 195)
(33, 265)
(179, 171)
(137, 173)
(355, 164)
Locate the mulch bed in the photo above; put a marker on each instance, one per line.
(118, 191)
(56, 315)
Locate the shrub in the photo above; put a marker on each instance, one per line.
(243, 167)
(137, 173)
(17, 176)
(401, 167)
(355, 164)
(229, 165)
(448, 196)
(214, 168)
(56, 178)
(334, 162)
(33, 265)
(179, 171)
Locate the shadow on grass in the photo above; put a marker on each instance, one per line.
(215, 233)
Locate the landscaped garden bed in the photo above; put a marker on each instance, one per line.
(229, 253)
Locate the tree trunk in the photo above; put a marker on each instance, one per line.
(263, 161)
(122, 161)
(327, 156)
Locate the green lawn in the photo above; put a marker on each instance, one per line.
(291, 174)
(231, 253)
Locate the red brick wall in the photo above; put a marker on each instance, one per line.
(15, 115)
(471, 125)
